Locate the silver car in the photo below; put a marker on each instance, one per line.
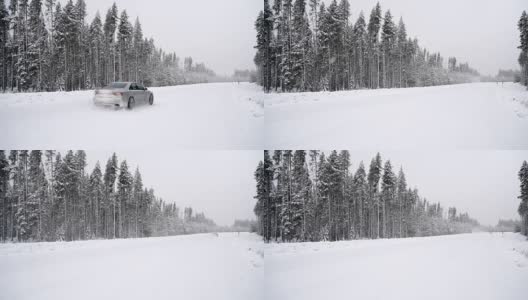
(123, 94)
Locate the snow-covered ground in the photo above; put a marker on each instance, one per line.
(203, 266)
(231, 116)
(231, 266)
(467, 116)
(470, 266)
(202, 116)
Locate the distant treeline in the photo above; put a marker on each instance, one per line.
(309, 196)
(245, 225)
(48, 47)
(245, 75)
(47, 196)
(320, 48)
(506, 226)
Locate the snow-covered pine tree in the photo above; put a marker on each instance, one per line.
(96, 199)
(260, 205)
(4, 201)
(388, 38)
(109, 211)
(301, 45)
(19, 161)
(138, 53)
(334, 32)
(334, 193)
(360, 52)
(271, 210)
(522, 25)
(322, 211)
(109, 29)
(399, 205)
(301, 187)
(37, 51)
(402, 53)
(81, 46)
(4, 35)
(323, 54)
(135, 204)
(523, 206)
(345, 204)
(37, 193)
(361, 196)
(373, 30)
(96, 52)
(124, 198)
(336, 205)
(278, 193)
(373, 178)
(388, 188)
(124, 44)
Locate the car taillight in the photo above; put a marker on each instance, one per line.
(118, 94)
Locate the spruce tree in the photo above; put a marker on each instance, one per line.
(523, 206)
(361, 195)
(373, 30)
(388, 35)
(109, 29)
(4, 202)
(360, 51)
(109, 179)
(37, 193)
(388, 188)
(523, 56)
(373, 179)
(402, 54)
(124, 43)
(124, 195)
(399, 205)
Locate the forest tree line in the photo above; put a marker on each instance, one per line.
(314, 196)
(46, 46)
(320, 48)
(47, 196)
(523, 206)
(523, 56)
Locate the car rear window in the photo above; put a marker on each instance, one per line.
(116, 85)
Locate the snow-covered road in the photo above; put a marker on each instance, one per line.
(467, 116)
(202, 266)
(470, 266)
(202, 116)
(231, 116)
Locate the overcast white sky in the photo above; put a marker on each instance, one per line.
(483, 183)
(219, 33)
(481, 32)
(218, 183)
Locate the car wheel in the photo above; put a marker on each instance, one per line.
(151, 99)
(131, 103)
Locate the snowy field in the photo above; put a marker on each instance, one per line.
(467, 116)
(203, 116)
(203, 266)
(471, 266)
